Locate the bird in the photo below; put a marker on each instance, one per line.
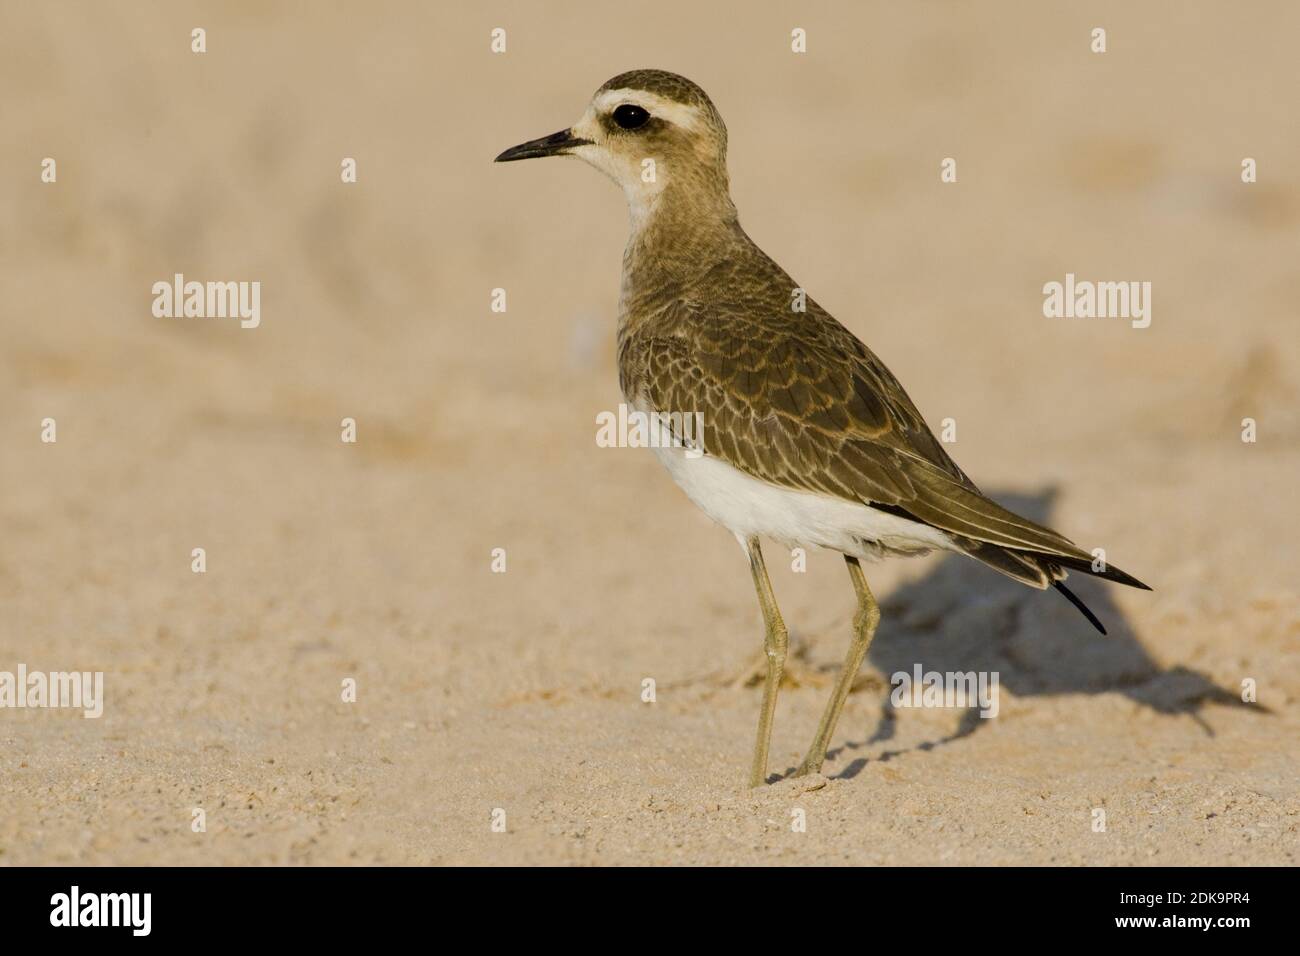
(808, 440)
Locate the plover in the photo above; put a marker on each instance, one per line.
(808, 439)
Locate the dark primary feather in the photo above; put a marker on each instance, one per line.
(1083, 608)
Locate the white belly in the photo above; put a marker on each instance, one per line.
(749, 507)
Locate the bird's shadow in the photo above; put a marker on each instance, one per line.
(964, 617)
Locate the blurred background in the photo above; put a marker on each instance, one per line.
(476, 431)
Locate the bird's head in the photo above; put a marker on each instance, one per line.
(654, 133)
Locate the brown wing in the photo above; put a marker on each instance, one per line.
(805, 405)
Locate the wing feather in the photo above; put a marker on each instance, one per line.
(807, 406)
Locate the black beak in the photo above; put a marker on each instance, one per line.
(557, 144)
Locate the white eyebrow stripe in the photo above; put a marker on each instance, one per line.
(679, 114)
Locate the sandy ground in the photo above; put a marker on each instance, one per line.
(522, 691)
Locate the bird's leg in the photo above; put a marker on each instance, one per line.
(796, 673)
(864, 628)
(775, 642)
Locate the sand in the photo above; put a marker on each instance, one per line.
(516, 697)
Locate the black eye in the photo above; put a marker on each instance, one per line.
(630, 117)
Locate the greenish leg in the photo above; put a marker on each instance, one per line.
(775, 643)
(864, 628)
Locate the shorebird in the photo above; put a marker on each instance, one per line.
(808, 439)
